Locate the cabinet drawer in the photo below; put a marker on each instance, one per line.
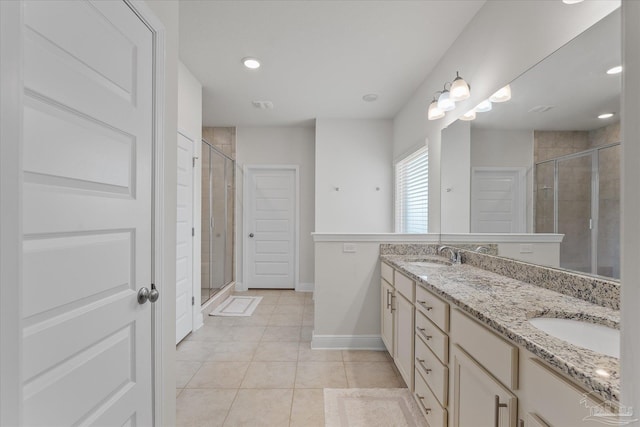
(404, 285)
(434, 372)
(434, 413)
(495, 354)
(433, 337)
(556, 401)
(386, 271)
(433, 307)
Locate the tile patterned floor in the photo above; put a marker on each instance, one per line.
(261, 371)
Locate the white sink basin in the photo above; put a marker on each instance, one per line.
(432, 263)
(599, 338)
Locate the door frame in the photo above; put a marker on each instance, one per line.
(11, 105)
(521, 173)
(247, 169)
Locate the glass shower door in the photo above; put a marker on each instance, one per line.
(575, 220)
(609, 212)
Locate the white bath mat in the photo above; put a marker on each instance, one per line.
(371, 407)
(236, 306)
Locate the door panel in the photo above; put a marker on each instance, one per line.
(497, 205)
(87, 214)
(184, 239)
(270, 228)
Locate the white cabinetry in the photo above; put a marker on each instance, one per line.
(387, 316)
(479, 400)
(404, 338)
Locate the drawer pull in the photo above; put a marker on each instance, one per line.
(422, 331)
(498, 405)
(425, 306)
(421, 363)
(421, 398)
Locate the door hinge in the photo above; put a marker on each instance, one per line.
(193, 231)
(193, 300)
(193, 162)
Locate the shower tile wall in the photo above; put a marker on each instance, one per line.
(574, 194)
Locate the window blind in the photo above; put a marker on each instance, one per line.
(412, 193)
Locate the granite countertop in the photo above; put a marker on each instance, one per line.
(505, 305)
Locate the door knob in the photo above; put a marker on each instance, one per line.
(250, 234)
(144, 294)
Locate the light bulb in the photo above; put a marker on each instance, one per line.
(251, 63)
(434, 113)
(502, 95)
(459, 89)
(445, 103)
(469, 115)
(483, 107)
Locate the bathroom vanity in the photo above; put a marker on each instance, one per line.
(463, 341)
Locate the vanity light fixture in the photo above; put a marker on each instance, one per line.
(501, 95)
(460, 89)
(251, 63)
(445, 103)
(434, 112)
(615, 70)
(469, 115)
(484, 106)
(606, 115)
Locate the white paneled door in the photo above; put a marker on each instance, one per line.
(87, 214)
(184, 239)
(498, 200)
(270, 227)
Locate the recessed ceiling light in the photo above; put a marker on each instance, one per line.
(370, 97)
(615, 70)
(605, 115)
(251, 63)
(572, 1)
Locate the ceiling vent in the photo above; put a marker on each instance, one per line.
(541, 108)
(263, 105)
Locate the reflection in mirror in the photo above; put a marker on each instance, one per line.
(544, 162)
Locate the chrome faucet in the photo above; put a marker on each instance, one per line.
(455, 255)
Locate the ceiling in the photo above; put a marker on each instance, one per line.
(573, 80)
(318, 57)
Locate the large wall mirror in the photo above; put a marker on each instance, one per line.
(547, 160)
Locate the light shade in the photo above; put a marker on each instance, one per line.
(469, 115)
(251, 63)
(502, 95)
(572, 1)
(445, 103)
(434, 113)
(483, 107)
(459, 89)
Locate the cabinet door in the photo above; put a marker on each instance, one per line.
(479, 400)
(386, 328)
(404, 335)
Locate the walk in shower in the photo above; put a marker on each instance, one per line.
(578, 195)
(217, 220)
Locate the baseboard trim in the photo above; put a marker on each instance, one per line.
(240, 287)
(305, 287)
(347, 342)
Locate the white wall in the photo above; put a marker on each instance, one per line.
(502, 41)
(190, 124)
(630, 239)
(505, 148)
(279, 146)
(455, 178)
(356, 157)
(168, 13)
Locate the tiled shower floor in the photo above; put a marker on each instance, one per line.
(261, 371)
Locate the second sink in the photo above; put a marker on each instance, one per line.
(599, 338)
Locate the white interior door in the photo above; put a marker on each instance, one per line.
(184, 239)
(87, 214)
(270, 228)
(497, 200)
